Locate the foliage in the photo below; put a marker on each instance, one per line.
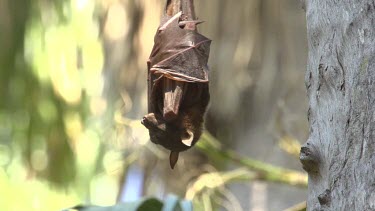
(171, 203)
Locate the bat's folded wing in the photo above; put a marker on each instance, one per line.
(180, 54)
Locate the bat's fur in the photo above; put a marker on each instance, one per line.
(191, 113)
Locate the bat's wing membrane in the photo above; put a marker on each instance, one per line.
(180, 54)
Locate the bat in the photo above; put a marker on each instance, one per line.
(178, 83)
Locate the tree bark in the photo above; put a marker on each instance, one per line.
(339, 154)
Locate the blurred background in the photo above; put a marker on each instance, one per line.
(73, 92)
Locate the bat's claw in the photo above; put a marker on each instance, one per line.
(191, 25)
(196, 22)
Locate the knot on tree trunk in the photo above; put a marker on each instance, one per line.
(309, 158)
(325, 198)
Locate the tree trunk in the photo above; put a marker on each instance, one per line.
(339, 155)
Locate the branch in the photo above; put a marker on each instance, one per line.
(212, 147)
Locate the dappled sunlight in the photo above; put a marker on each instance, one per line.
(67, 54)
(87, 147)
(74, 90)
(116, 25)
(21, 193)
(101, 184)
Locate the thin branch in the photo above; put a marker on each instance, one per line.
(212, 147)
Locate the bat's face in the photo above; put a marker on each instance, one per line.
(172, 136)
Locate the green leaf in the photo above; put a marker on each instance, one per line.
(171, 203)
(151, 204)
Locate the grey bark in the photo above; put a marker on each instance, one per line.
(339, 153)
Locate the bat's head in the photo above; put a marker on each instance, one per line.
(172, 136)
(175, 136)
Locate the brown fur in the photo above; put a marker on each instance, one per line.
(190, 117)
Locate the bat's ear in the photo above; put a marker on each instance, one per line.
(173, 157)
(187, 139)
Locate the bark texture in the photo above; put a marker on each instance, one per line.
(340, 152)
